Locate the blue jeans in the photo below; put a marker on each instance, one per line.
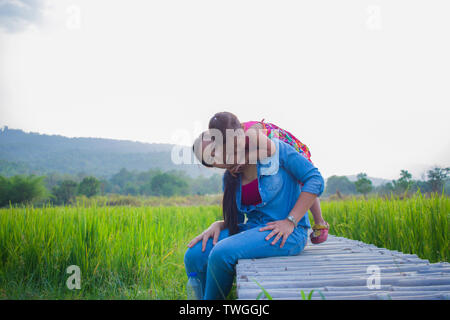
(215, 266)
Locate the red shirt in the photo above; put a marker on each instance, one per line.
(250, 193)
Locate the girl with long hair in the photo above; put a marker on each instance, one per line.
(269, 194)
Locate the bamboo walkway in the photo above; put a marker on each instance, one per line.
(342, 269)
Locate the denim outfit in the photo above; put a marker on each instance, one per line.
(278, 180)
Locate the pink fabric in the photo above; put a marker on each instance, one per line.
(248, 124)
(250, 193)
(321, 238)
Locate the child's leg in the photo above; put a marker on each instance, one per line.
(317, 212)
(320, 228)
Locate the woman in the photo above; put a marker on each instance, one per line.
(262, 133)
(268, 193)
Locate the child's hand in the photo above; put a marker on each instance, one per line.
(236, 169)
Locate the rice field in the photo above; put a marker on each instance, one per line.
(416, 225)
(122, 252)
(137, 252)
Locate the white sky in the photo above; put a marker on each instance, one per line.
(365, 84)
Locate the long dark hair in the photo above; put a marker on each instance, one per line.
(229, 207)
(222, 121)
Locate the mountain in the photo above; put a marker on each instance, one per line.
(29, 152)
(23, 152)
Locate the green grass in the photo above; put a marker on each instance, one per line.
(137, 252)
(123, 253)
(416, 225)
(149, 201)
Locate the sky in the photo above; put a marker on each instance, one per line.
(364, 84)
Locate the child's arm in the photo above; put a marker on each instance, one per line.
(257, 147)
(260, 146)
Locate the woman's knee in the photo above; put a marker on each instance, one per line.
(194, 258)
(222, 253)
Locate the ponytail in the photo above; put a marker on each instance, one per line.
(229, 207)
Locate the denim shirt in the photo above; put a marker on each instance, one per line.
(278, 183)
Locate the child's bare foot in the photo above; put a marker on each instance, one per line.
(320, 232)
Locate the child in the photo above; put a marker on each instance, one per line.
(227, 120)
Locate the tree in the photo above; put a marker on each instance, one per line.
(122, 178)
(89, 186)
(385, 189)
(144, 180)
(341, 184)
(5, 191)
(203, 185)
(21, 189)
(437, 177)
(130, 189)
(65, 192)
(169, 184)
(363, 184)
(146, 176)
(404, 183)
(423, 186)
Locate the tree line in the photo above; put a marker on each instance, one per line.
(437, 181)
(62, 189)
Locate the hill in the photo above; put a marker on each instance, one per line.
(29, 152)
(23, 152)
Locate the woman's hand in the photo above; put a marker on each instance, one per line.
(281, 228)
(213, 231)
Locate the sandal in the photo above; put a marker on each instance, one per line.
(320, 233)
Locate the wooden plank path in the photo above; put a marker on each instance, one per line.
(339, 269)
